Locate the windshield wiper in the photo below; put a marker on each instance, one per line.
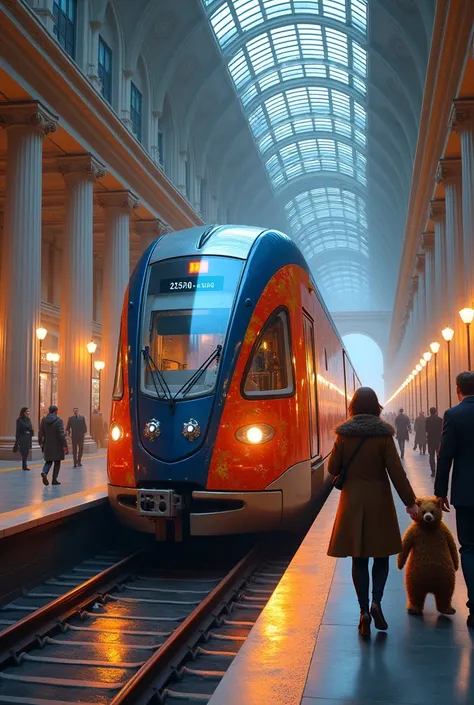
(156, 374)
(187, 386)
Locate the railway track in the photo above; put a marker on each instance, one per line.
(133, 632)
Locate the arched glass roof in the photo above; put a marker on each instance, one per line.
(300, 70)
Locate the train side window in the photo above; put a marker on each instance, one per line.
(117, 393)
(270, 372)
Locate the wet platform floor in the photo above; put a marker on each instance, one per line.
(305, 648)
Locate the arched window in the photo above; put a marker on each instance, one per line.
(140, 103)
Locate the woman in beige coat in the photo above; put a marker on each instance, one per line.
(366, 524)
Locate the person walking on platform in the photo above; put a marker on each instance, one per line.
(53, 442)
(366, 524)
(456, 449)
(403, 427)
(420, 433)
(24, 436)
(76, 428)
(434, 425)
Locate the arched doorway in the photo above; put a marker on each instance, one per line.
(367, 358)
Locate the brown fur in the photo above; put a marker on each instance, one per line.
(432, 560)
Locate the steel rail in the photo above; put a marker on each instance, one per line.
(17, 636)
(143, 684)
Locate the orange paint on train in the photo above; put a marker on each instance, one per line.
(120, 465)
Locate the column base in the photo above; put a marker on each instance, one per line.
(90, 446)
(6, 450)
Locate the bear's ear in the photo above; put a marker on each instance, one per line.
(418, 501)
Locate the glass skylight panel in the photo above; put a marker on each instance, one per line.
(359, 14)
(337, 46)
(335, 9)
(249, 12)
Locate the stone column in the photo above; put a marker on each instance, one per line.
(420, 268)
(26, 124)
(437, 212)
(449, 175)
(462, 121)
(80, 172)
(93, 58)
(430, 283)
(118, 207)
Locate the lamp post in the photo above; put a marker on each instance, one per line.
(467, 316)
(52, 357)
(427, 357)
(41, 334)
(423, 364)
(447, 334)
(419, 369)
(410, 390)
(99, 366)
(435, 346)
(91, 348)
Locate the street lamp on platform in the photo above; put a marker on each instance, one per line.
(467, 316)
(415, 393)
(91, 348)
(423, 364)
(99, 366)
(427, 357)
(41, 334)
(435, 346)
(447, 334)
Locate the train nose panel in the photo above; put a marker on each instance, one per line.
(182, 428)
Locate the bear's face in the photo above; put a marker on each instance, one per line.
(430, 513)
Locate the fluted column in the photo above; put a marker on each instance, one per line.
(80, 172)
(430, 283)
(449, 175)
(437, 214)
(118, 207)
(462, 121)
(26, 124)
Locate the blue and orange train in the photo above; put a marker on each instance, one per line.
(230, 379)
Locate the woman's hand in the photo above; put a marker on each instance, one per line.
(413, 511)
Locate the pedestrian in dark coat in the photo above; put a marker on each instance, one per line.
(420, 433)
(52, 440)
(24, 435)
(77, 429)
(403, 427)
(456, 449)
(434, 425)
(366, 524)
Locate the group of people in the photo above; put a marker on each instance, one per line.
(366, 524)
(53, 439)
(427, 434)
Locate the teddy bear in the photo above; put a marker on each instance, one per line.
(433, 559)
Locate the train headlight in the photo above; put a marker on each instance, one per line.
(152, 429)
(255, 434)
(116, 432)
(191, 430)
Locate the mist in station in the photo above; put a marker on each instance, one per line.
(367, 359)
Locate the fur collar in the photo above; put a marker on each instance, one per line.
(365, 425)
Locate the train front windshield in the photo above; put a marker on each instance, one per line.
(186, 315)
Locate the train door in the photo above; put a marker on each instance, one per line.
(311, 378)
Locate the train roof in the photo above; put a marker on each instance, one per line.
(225, 240)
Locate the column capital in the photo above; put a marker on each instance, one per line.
(149, 227)
(461, 117)
(427, 241)
(28, 113)
(118, 200)
(449, 171)
(85, 165)
(437, 210)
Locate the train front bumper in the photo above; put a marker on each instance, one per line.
(250, 511)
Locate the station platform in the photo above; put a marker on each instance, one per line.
(25, 502)
(305, 648)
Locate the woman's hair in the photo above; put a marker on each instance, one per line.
(365, 401)
(22, 411)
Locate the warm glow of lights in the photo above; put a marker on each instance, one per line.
(99, 365)
(115, 432)
(447, 334)
(427, 356)
(414, 372)
(423, 362)
(52, 357)
(200, 267)
(254, 434)
(435, 346)
(41, 334)
(91, 347)
(330, 385)
(418, 368)
(467, 315)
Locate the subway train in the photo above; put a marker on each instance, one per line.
(230, 379)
